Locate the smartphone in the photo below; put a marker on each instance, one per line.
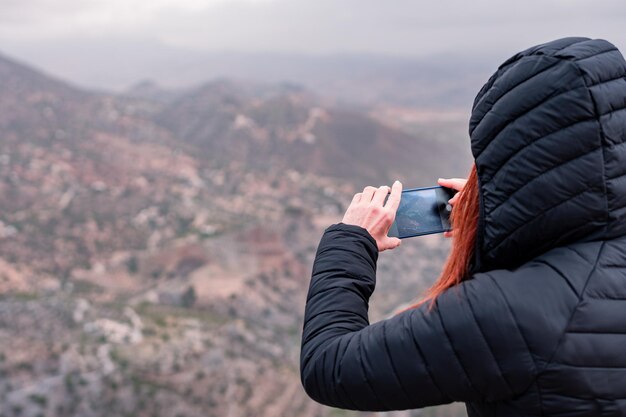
(422, 211)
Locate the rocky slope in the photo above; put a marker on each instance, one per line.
(155, 249)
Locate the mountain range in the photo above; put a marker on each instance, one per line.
(156, 245)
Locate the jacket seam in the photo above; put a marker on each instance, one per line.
(337, 287)
(456, 355)
(315, 334)
(571, 365)
(594, 55)
(426, 366)
(313, 291)
(367, 259)
(479, 122)
(608, 298)
(482, 333)
(562, 275)
(620, 175)
(537, 216)
(597, 113)
(536, 140)
(492, 136)
(571, 317)
(575, 123)
(338, 310)
(592, 398)
(495, 281)
(393, 367)
(578, 254)
(322, 370)
(541, 174)
(557, 60)
(553, 55)
(367, 381)
(530, 354)
(584, 86)
(338, 370)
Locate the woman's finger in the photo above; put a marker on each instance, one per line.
(454, 199)
(454, 183)
(356, 198)
(380, 194)
(389, 243)
(368, 193)
(394, 199)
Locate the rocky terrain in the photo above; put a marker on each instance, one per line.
(155, 247)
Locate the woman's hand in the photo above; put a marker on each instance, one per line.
(368, 211)
(455, 184)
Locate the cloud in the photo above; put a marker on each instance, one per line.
(397, 27)
(36, 19)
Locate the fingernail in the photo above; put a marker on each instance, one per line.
(440, 179)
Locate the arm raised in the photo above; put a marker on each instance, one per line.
(468, 348)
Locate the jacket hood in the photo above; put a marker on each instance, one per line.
(548, 134)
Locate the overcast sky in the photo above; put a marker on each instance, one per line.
(404, 27)
(34, 29)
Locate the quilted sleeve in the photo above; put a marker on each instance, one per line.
(469, 348)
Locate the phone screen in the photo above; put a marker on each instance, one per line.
(422, 211)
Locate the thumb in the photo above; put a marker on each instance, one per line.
(454, 183)
(390, 243)
(454, 199)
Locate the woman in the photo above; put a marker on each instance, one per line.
(529, 314)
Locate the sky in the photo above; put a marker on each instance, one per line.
(49, 32)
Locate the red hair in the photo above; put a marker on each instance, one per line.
(464, 222)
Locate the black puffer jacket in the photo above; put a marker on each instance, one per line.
(540, 327)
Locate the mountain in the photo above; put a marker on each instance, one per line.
(290, 130)
(155, 247)
(31, 101)
(440, 81)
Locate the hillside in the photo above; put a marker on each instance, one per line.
(155, 248)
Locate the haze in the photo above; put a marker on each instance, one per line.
(115, 43)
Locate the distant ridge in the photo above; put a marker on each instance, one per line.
(18, 76)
